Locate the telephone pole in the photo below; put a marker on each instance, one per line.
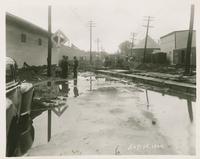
(132, 42)
(49, 70)
(49, 43)
(149, 18)
(91, 25)
(189, 42)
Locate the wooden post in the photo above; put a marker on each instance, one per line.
(49, 43)
(146, 38)
(91, 24)
(90, 43)
(189, 43)
(49, 69)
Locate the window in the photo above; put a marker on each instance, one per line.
(23, 38)
(39, 41)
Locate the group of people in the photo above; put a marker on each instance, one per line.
(64, 66)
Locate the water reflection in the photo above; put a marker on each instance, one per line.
(76, 94)
(52, 96)
(147, 97)
(175, 116)
(90, 82)
(63, 87)
(188, 98)
(190, 112)
(163, 107)
(59, 110)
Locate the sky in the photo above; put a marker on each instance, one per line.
(114, 20)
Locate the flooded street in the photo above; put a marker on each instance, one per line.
(99, 115)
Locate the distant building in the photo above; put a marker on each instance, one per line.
(138, 50)
(26, 42)
(175, 44)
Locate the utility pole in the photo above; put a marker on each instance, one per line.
(132, 42)
(91, 25)
(49, 68)
(49, 43)
(149, 18)
(189, 42)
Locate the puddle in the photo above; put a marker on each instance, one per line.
(172, 114)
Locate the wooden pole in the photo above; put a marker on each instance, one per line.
(189, 43)
(90, 42)
(49, 69)
(146, 38)
(91, 24)
(49, 43)
(132, 43)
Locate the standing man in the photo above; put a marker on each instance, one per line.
(75, 69)
(64, 67)
(61, 61)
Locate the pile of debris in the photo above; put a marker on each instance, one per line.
(32, 73)
(167, 72)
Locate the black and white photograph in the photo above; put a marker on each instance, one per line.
(100, 78)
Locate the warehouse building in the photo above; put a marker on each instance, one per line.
(26, 42)
(175, 45)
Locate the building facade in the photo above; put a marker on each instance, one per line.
(26, 42)
(175, 45)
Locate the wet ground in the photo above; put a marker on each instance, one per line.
(98, 115)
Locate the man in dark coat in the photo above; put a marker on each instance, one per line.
(75, 69)
(64, 64)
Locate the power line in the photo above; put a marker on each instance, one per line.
(91, 25)
(149, 18)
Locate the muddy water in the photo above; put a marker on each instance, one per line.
(95, 107)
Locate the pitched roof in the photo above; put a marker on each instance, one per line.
(150, 43)
(173, 32)
(17, 21)
(26, 25)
